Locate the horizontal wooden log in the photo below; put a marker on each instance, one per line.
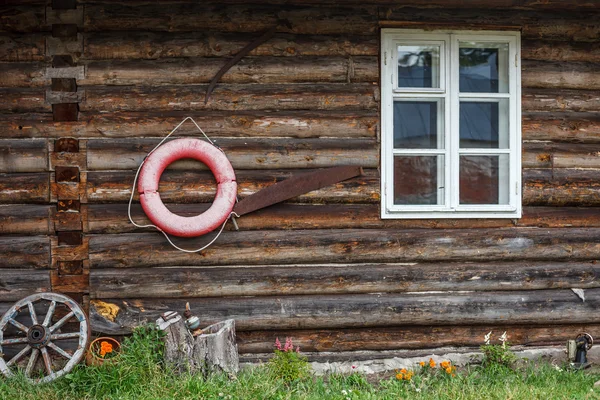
(564, 26)
(347, 245)
(25, 188)
(340, 279)
(22, 18)
(199, 186)
(23, 100)
(23, 155)
(551, 100)
(560, 51)
(233, 97)
(574, 187)
(263, 70)
(19, 48)
(23, 74)
(407, 337)
(561, 187)
(17, 283)
(235, 18)
(560, 155)
(149, 45)
(32, 219)
(112, 218)
(563, 75)
(244, 153)
(537, 307)
(562, 127)
(25, 252)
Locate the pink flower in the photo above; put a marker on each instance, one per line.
(277, 344)
(288, 344)
(298, 349)
(354, 367)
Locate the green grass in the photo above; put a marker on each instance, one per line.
(139, 375)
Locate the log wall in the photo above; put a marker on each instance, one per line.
(86, 92)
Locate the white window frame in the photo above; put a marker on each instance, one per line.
(449, 92)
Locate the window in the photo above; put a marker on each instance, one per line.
(451, 126)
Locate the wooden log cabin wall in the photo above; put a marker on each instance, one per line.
(89, 87)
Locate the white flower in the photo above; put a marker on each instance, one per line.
(503, 339)
(221, 395)
(417, 390)
(349, 390)
(344, 392)
(486, 338)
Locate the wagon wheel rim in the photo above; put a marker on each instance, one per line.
(42, 334)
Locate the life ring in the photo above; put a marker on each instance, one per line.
(175, 224)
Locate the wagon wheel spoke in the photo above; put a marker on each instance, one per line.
(12, 342)
(50, 313)
(19, 325)
(64, 336)
(62, 321)
(19, 355)
(31, 363)
(47, 362)
(32, 313)
(59, 351)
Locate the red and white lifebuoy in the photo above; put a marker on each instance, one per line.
(175, 224)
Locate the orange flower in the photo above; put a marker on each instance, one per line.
(445, 364)
(105, 348)
(431, 363)
(448, 370)
(422, 363)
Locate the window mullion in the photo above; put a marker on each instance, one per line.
(454, 113)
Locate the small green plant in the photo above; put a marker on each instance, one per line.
(497, 354)
(288, 364)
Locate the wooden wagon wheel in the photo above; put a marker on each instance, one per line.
(27, 336)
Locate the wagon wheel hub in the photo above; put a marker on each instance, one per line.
(38, 336)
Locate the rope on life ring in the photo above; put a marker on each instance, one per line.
(150, 171)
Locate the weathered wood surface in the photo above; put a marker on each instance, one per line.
(24, 252)
(560, 51)
(408, 337)
(562, 127)
(358, 96)
(112, 218)
(29, 155)
(199, 186)
(179, 345)
(24, 188)
(23, 74)
(137, 250)
(18, 283)
(282, 280)
(19, 48)
(24, 100)
(561, 187)
(560, 155)
(32, 219)
(537, 307)
(150, 45)
(22, 18)
(551, 100)
(263, 70)
(215, 350)
(556, 126)
(560, 74)
(564, 26)
(542, 187)
(244, 153)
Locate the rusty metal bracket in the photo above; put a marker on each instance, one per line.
(241, 54)
(295, 186)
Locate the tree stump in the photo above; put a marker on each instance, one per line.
(215, 350)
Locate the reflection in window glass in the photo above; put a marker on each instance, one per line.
(483, 70)
(483, 124)
(418, 180)
(416, 125)
(484, 179)
(418, 66)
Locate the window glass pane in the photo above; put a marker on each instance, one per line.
(419, 180)
(418, 66)
(484, 124)
(483, 68)
(484, 179)
(418, 125)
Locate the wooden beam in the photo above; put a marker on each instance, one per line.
(25, 252)
(24, 188)
(18, 283)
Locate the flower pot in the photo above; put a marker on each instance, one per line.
(102, 350)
